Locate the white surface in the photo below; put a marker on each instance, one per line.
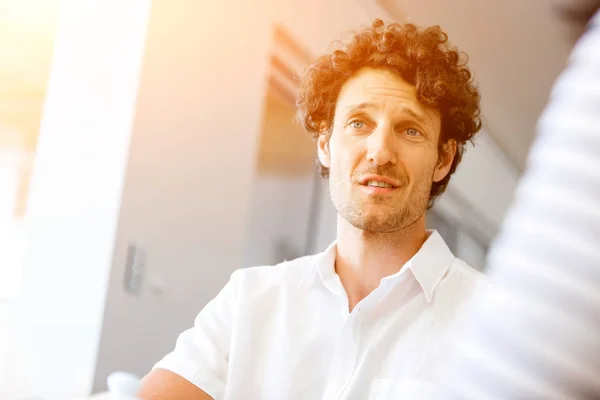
(98, 396)
(13, 237)
(284, 332)
(472, 251)
(190, 172)
(282, 191)
(280, 219)
(123, 384)
(74, 197)
(485, 180)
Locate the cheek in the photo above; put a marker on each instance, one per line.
(351, 149)
(421, 165)
(338, 151)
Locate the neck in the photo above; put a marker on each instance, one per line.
(363, 258)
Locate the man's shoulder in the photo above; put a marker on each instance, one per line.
(459, 285)
(467, 271)
(464, 277)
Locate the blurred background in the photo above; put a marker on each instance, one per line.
(148, 149)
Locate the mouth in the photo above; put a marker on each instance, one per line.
(378, 181)
(378, 184)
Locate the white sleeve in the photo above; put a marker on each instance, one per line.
(201, 353)
(537, 335)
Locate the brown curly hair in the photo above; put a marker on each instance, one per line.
(422, 57)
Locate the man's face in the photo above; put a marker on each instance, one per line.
(382, 153)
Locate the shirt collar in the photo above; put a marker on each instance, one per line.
(323, 265)
(428, 266)
(431, 263)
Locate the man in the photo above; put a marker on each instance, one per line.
(537, 334)
(391, 112)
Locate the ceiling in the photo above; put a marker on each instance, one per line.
(516, 50)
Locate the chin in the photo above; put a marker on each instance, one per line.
(375, 222)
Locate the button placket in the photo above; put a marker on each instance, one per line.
(354, 325)
(350, 345)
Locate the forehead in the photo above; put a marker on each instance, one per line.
(382, 89)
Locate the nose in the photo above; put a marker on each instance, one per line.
(380, 148)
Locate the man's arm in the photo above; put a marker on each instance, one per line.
(166, 385)
(198, 366)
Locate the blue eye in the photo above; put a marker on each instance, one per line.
(356, 124)
(413, 132)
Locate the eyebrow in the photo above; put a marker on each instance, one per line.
(366, 105)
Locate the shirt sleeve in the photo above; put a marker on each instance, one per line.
(201, 353)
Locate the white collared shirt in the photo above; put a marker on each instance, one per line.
(285, 331)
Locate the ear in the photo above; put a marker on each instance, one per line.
(445, 160)
(323, 149)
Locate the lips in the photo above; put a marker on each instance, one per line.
(378, 181)
(379, 184)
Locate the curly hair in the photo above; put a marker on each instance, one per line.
(422, 57)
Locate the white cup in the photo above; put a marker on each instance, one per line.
(122, 385)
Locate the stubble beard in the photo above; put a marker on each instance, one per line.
(380, 214)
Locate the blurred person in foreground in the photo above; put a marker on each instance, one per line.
(535, 332)
(368, 318)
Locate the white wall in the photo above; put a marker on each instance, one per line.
(74, 198)
(486, 179)
(471, 250)
(279, 218)
(190, 172)
(12, 231)
(279, 221)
